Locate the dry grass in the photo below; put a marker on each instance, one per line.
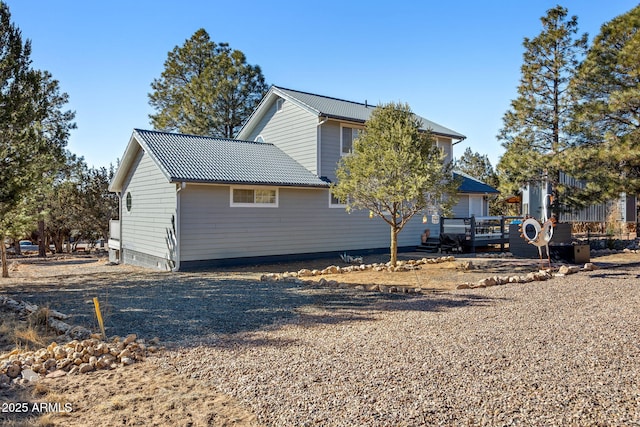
(25, 334)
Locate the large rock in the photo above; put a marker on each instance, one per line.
(130, 338)
(568, 269)
(84, 368)
(30, 375)
(305, 273)
(489, 281)
(332, 269)
(13, 370)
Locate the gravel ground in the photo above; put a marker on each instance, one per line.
(180, 307)
(561, 352)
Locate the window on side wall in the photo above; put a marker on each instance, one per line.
(128, 201)
(334, 202)
(347, 136)
(254, 197)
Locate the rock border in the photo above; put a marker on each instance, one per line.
(82, 352)
(409, 265)
(535, 276)
(297, 276)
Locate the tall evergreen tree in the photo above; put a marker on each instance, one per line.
(395, 171)
(535, 128)
(607, 120)
(478, 166)
(33, 127)
(205, 89)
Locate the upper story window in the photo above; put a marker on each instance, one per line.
(334, 202)
(254, 197)
(347, 136)
(279, 103)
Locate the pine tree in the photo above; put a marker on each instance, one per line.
(205, 89)
(33, 127)
(607, 120)
(478, 166)
(396, 171)
(535, 130)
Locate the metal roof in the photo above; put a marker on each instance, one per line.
(348, 110)
(472, 185)
(192, 158)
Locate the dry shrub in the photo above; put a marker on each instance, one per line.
(30, 338)
(40, 317)
(29, 334)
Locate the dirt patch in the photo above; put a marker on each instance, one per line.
(142, 394)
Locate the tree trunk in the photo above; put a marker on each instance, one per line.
(394, 246)
(3, 250)
(42, 241)
(58, 242)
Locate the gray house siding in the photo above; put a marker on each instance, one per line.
(303, 223)
(461, 209)
(446, 145)
(147, 228)
(329, 149)
(293, 130)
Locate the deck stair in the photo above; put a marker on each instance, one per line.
(432, 245)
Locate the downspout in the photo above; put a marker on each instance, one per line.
(319, 145)
(180, 187)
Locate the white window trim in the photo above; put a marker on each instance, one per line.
(253, 205)
(341, 133)
(279, 104)
(335, 205)
(126, 209)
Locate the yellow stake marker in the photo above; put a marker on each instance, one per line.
(99, 315)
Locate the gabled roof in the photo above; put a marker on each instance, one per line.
(192, 158)
(472, 185)
(333, 108)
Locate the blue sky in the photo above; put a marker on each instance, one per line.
(455, 63)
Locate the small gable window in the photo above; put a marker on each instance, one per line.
(128, 201)
(279, 104)
(254, 197)
(347, 136)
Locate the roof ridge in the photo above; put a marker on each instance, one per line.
(216, 138)
(326, 97)
(460, 172)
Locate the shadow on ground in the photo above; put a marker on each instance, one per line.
(179, 307)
